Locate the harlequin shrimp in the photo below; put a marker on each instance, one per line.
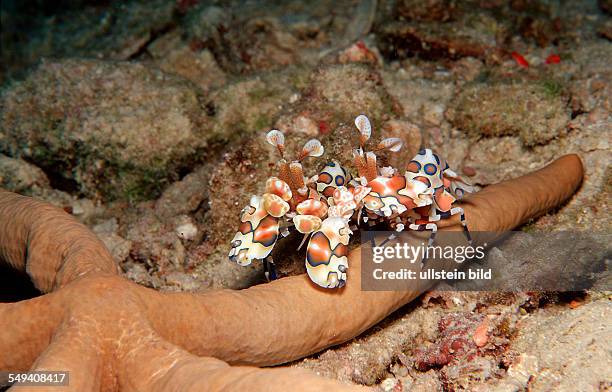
(261, 219)
(327, 251)
(320, 207)
(443, 185)
(391, 193)
(324, 206)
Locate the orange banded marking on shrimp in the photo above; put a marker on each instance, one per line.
(320, 251)
(390, 187)
(266, 232)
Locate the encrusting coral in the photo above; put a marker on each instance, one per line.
(111, 334)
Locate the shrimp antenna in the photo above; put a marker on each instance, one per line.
(277, 139)
(393, 144)
(312, 148)
(365, 129)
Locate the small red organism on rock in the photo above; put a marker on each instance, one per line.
(455, 342)
(358, 53)
(520, 60)
(481, 336)
(324, 127)
(553, 59)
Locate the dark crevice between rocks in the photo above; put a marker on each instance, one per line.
(210, 108)
(143, 51)
(182, 171)
(567, 297)
(53, 167)
(54, 171)
(577, 112)
(15, 285)
(539, 300)
(61, 183)
(410, 45)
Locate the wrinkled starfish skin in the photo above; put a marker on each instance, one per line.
(114, 335)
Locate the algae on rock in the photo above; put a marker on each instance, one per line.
(535, 112)
(114, 129)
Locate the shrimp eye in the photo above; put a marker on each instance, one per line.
(372, 203)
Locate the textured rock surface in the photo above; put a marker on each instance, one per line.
(349, 89)
(119, 31)
(107, 129)
(536, 113)
(253, 103)
(20, 176)
(559, 344)
(175, 56)
(249, 37)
